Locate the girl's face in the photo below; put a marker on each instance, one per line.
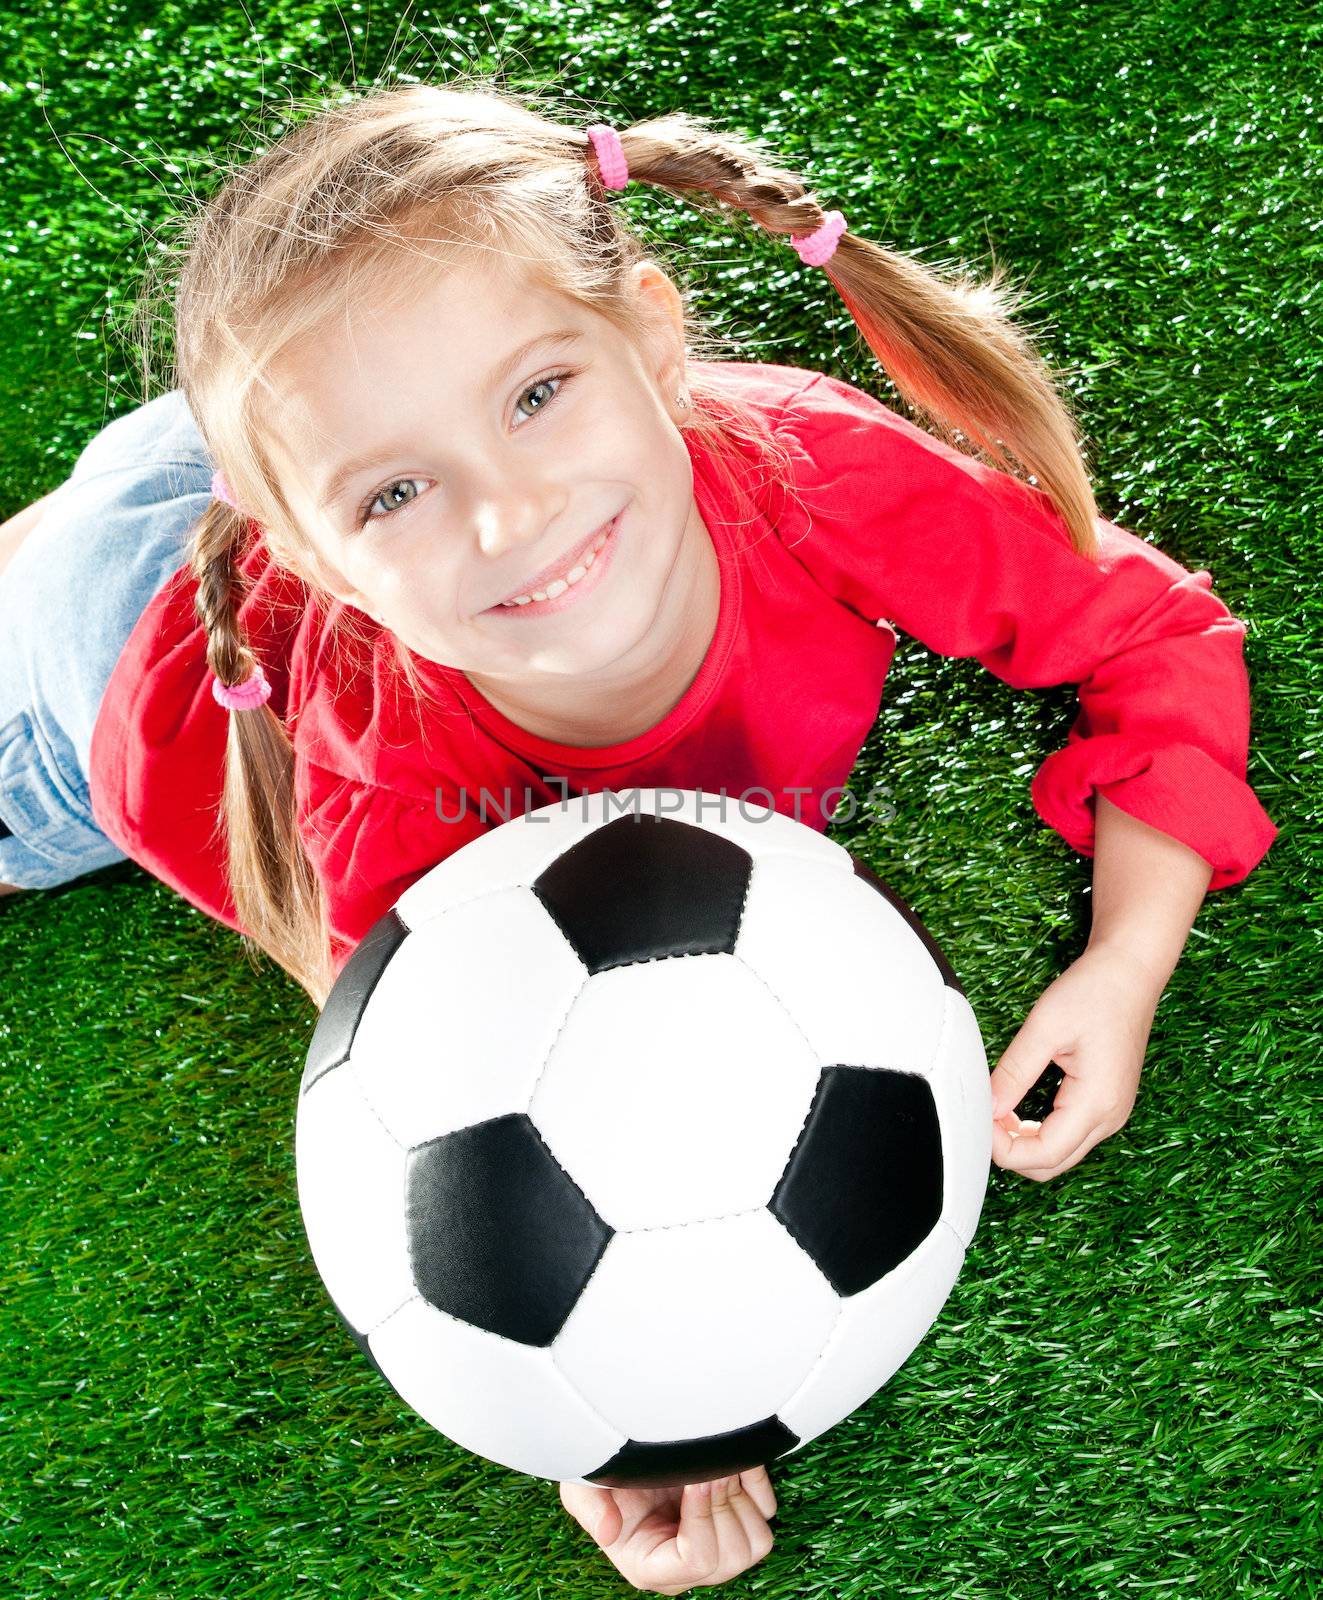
(450, 466)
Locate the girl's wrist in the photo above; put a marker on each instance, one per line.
(1152, 970)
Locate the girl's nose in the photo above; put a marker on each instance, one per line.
(511, 529)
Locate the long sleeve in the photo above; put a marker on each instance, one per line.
(901, 527)
(368, 845)
(158, 744)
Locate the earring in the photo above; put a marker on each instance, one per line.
(682, 400)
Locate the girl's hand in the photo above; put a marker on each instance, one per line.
(1094, 1022)
(668, 1540)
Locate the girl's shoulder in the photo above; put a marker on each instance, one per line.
(821, 430)
(158, 726)
(801, 399)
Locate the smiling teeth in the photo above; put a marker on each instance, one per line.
(559, 585)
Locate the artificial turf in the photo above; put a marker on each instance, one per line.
(1121, 1396)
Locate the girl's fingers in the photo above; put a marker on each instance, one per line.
(696, 1537)
(735, 1517)
(589, 1506)
(759, 1488)
(757, 1529)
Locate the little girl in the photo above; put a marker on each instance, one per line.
(407, 606)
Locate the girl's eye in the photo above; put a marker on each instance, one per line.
(364, 511)
(560, 378)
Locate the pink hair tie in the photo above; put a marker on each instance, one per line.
(818, 247)
(246, 696)
(611, 163)
(220, 490)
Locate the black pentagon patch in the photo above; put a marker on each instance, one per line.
(642, 887)
(333, 1037)
(864, 871)
(648, 1465)
(499, 1234)
(360, 1339)
(863, 1186)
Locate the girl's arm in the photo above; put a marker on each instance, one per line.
(901, 528)
(1094, 1020)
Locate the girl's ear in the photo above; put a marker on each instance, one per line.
(660, 301)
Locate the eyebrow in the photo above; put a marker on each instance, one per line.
(340, 478)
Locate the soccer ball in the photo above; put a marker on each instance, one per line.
(637, 1144)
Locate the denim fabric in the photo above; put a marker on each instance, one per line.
(116, 530)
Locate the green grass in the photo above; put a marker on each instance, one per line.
(1121, 1395)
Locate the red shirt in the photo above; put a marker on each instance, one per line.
(884, 524)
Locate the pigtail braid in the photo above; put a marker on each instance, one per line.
(949, 346)
(277, 895)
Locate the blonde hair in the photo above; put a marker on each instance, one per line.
(336, 206)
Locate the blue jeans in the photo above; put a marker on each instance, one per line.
(116, 530)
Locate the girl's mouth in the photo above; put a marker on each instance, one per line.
(567, 589)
